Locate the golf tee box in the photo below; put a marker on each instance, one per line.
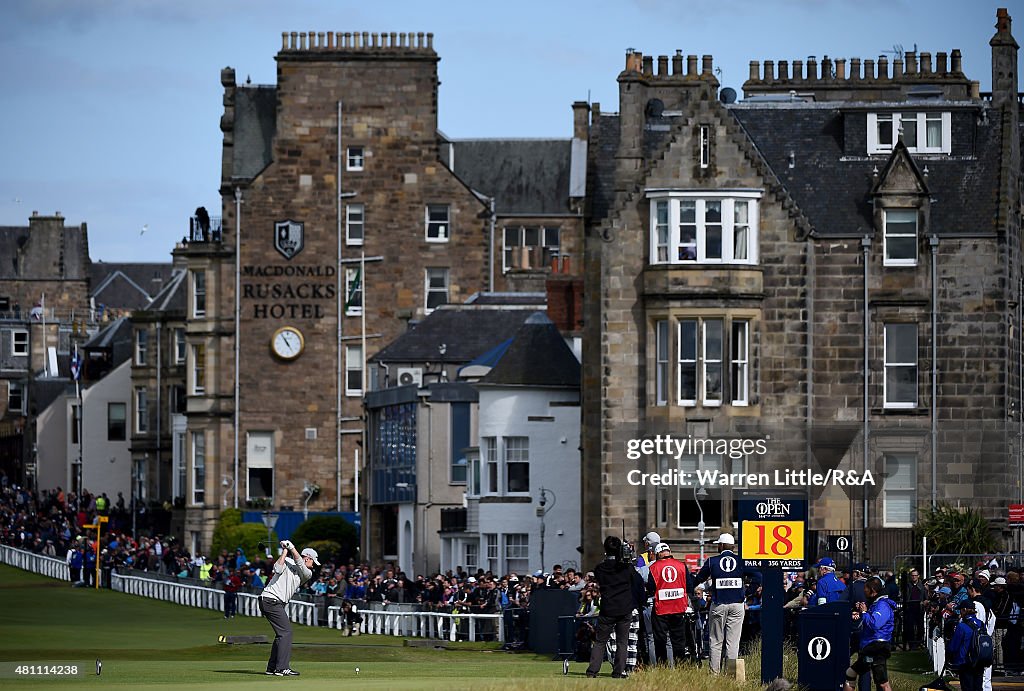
(238, 640)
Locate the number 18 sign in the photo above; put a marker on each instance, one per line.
(773, 530)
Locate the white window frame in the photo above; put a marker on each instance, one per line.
(353, 308)
(490, 481)
(705, 146)
(141, 410)
(355, 158)
(516, 450)
(700, 199)
(661, 362)
(199, 293)
(687, 363)
(20, 343)
(891, 492)
(517, 548)
(355, 217)
(437, 230)
(197, 463)
(895, 120)
(180, 347)
(428, 289)
(353, 365)
(492, 557)
(470, 555)
(198, 369)
(899, 364)
(739, 362)
(886, 235)
(141, 347)
(707, 363)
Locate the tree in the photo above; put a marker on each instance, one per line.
(956, 530)
(231, 534)
(330, 528)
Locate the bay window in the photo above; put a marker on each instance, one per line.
(704, 227)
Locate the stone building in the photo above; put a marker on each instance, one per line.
(342, 224)
(828, 269)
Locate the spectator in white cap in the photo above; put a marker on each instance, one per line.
(643, 567)
(725, 571)
(289, 574)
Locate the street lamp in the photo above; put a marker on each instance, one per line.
(698, 492)
(542, 510)
(269, 520)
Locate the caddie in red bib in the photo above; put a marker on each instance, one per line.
(667, 584)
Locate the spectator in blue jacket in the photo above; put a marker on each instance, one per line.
(875, 619)
(828, 588)
(957, 648)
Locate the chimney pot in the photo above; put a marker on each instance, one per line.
(883, 67)
(926, 63)
(755, 71)
(648, 65)
(854, 69)
(663, 65)
(941, 63)
(677, 63)
(784, 70)
(691, 65)
(911, 65)
(841, 69)
(798, 70)
(897, 69)
(957, 62)
(708, 65)
(769, 70)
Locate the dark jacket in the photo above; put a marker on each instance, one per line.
(616, 581)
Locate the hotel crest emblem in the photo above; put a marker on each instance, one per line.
(288, 238)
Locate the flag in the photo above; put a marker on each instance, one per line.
(355, 288)
(76, 365)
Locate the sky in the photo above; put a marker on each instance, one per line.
(111, 108)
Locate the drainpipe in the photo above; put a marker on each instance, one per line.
(811, 292)
(933, 243)
(490, 250)
(865, 244)
(341, 309)
(238, 331)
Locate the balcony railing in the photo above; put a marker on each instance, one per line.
(205, 232)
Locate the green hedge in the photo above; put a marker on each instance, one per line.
(333, 529)
(231, 533)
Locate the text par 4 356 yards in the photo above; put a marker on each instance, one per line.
(756, 449)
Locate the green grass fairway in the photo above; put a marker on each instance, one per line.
(147, 644)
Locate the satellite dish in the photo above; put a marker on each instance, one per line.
(655, 107)
(727, 95)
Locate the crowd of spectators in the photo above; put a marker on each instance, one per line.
(51, 523)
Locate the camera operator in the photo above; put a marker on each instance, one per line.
(289, 574)
(614, 576)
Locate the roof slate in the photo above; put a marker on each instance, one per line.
(255, 127)
(525, 176)
(465, 333)
(538, 356)
(832, 186)
(127, 285)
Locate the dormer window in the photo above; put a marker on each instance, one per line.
(900, 237)
(927, 132)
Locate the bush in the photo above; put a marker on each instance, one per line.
(331, 529)
(956, 530)
(329, 550)
(231, 533)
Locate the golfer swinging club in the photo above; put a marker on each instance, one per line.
(289, 574)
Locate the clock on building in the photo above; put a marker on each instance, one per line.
(287, 343)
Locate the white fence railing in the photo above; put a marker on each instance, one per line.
(206, 598)
(36, 563)
(438, 625)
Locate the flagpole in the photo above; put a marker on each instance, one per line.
(77, 374)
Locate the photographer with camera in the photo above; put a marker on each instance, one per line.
(289, 574)
(615, 576)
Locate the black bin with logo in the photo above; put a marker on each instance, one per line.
(824, 650)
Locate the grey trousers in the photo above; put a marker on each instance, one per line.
(281, 652)
(726, 623)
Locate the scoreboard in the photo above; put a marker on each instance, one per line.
(773, 530)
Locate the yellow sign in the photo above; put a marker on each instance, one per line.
(772, 540)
